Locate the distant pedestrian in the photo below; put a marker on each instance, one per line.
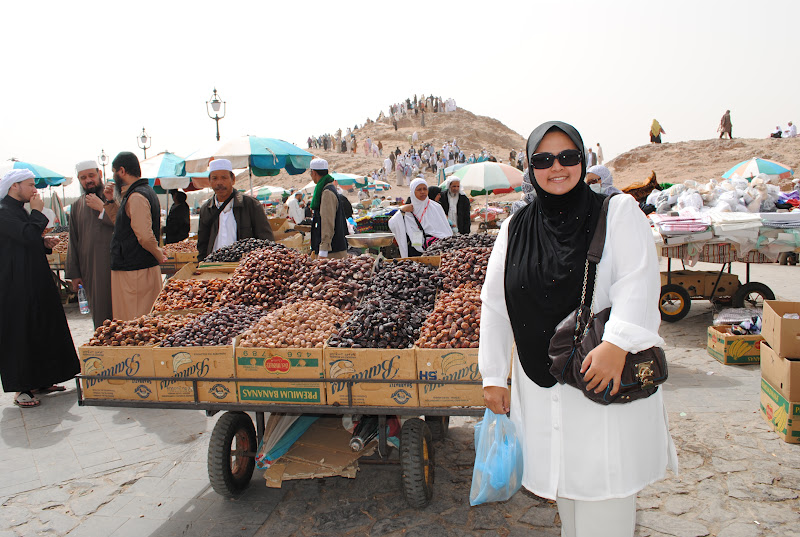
(599, 154)
(656, 130)
(791, 132)
(725, 125)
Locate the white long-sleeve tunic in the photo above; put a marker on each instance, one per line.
(575, 448)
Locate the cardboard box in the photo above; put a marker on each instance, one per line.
(782, 414)
(782, 373)
(733, 350)
(290, 239)
(391, 365)
(118, 361)
(783, 335)
(728, 284)
(264, 363)
(701, 282)
(277, 224)
(449, 364)
(178, 362)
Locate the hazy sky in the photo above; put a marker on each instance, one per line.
(84, 76)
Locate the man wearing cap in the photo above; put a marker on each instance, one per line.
(36, 348)
(456, 206)
(135, 255)
(229, 215)
(329, 223)
(91, 225)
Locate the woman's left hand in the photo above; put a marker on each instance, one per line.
(602, 365)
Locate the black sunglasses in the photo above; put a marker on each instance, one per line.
(568, 157)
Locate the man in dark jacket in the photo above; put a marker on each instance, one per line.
(229, 215)
(178, 219)
(456, 206)
(329, 223)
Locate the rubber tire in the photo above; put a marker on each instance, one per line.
(220, 473)
(417, 465)
(439, 426)
(674, 288)
(749, 288)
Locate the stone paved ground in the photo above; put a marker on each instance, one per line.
(92, 471)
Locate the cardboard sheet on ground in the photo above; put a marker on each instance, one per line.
(323, 451)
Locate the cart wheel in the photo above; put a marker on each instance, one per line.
(417, 463)
(229, 469)
(674, 303)
(439, 425)
(752, 295)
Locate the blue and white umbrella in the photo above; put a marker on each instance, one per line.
(43, 177)
(264, 156)
(754, 166)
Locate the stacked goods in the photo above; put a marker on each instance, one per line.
(236, 251)
(381, 323)
(146, 330)
(455, 321)
(372, 224)
(457, 242)
(185, 246)
(263, 277)
(217, 327)
(60, 229)
(467, 265)
(304, 324)
(338, 282)
(189, 294)
(63, 245)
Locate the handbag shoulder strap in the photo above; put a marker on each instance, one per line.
(599, 238)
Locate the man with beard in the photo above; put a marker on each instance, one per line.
(36, 348)
(135, 255)
(456, 206)
(91, 224)
(229, 215)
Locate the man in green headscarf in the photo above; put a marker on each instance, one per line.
(328, 223)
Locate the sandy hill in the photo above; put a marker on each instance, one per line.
(472, 133)
(700, 160)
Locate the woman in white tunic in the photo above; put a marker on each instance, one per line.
(592, 459)
(428, 214)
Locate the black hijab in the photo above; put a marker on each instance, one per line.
(547, 245)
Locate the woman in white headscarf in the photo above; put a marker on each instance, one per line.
(600, 180)
(418, 221)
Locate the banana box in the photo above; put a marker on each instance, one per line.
(390, 366)
(782, 373)
(175, 363)
(730, 349)
(127, 361)
(266, 363)
(449, 364)
(782, 334)
(782, 414)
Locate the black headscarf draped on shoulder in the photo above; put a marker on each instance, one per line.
(547, 245)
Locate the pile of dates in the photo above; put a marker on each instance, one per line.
(305, 324)
(455, 321)
(467, 265)
(218, 327)
(410, 281)
(236, 251)
(381, 323)
(189, 294)
(456, 242)
(338, 282)
(263, 278)
(63, 244)
(146, 330)
(185, 246)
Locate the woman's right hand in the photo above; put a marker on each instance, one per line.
(498, 399)
(407, 208)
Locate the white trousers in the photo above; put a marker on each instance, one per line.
(605, 518)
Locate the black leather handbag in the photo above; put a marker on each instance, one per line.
(581, 331)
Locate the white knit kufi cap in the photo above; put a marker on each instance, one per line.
(319, 164)
(12, 177)
(220, 164)
(86, 165)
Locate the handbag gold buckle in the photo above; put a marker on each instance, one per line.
(644, 374)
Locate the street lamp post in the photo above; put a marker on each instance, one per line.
(144, 141)
(215, 104)
(103, 158)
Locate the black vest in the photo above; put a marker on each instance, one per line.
(338, 242)
(126, 252)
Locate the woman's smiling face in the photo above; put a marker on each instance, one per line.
(557, 179)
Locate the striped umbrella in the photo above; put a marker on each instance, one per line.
(378, 186)
(264, 156)
(754, 166)
(266, 192)
(42, 176)
(489, 178)
(349, 181)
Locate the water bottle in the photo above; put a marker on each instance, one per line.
(83, 302)
(365, 432)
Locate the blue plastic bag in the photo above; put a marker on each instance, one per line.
(498, 460)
